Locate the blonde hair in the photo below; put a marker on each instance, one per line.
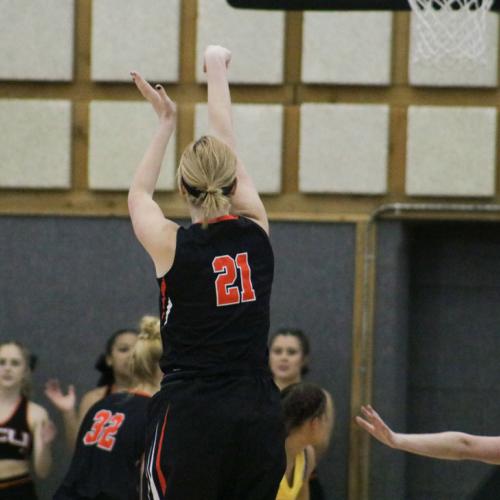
(147, 351)
(207, 172)
(29, 361)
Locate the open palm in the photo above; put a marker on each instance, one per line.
(371, 422)
(164, 107)
(63, 402)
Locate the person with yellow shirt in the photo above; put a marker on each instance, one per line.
(309, 415)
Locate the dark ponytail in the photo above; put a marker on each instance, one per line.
(302, 402)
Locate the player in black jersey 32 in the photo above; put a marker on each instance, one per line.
(110, 443)
(215, 430)
(115, 377)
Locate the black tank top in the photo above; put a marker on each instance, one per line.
(214, 301)
(110, 444)
(16, 440)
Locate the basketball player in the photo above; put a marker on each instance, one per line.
(216, 431)
(110, 444)
(289, 362)
(288, 356)
(445, 445)
(25, 429)
(308, 411)
(115, 377)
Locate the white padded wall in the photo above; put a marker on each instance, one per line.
(119, 135)
(35, 142)
(451, 151)
(455, 73)
(134, 35)
(255, 38)
(259, 136)
(344, 148)
(36, 40)
(347, 47)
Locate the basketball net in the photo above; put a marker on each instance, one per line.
(450, 31)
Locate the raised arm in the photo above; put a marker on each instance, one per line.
(444, 445)
(66, 404)
(245, 201)
(156, 234)
(43, 434)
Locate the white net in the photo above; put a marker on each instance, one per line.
(448, 31)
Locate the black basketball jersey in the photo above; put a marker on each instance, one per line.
(214, 301)
(108, 451)
(16, 440)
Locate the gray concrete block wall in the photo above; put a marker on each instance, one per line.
(67, 283)
(388, 468)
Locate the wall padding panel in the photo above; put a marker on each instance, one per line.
(36, 40)
(35, 143)
(451, 151)
(344, 148)
(455, 73)
(347, 47)
(259, 132)
(119, 135)
(255, 38)
(130, 35)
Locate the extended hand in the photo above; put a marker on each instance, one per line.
(164, 107)
(213, 52)
(372, 423)
(63, 402)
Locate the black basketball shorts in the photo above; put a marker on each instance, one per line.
(215, 438)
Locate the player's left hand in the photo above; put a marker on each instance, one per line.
(373, 423)
(63, 402)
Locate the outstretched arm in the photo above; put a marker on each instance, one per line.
(44, 432)
(66, 404)
(444, 445)
(245, 201)
(156, 234)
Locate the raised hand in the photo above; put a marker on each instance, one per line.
(373, 423)
(216, 52)
(63, 402)
(164, 107)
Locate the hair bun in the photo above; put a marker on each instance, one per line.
(149, 327)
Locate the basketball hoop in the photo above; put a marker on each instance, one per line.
(450, 31)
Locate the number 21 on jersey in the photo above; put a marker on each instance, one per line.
(227, 269)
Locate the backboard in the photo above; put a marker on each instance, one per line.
(334, 4)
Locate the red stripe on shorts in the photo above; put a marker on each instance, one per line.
(161, 476)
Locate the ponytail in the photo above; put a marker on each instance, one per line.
(147, 351)
(207, 174)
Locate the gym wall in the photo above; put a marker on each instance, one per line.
(333, 119)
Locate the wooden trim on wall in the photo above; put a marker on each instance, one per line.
(290, 204)
(362, 360)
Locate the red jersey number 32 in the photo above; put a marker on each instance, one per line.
(227, 269)
(103, 432)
